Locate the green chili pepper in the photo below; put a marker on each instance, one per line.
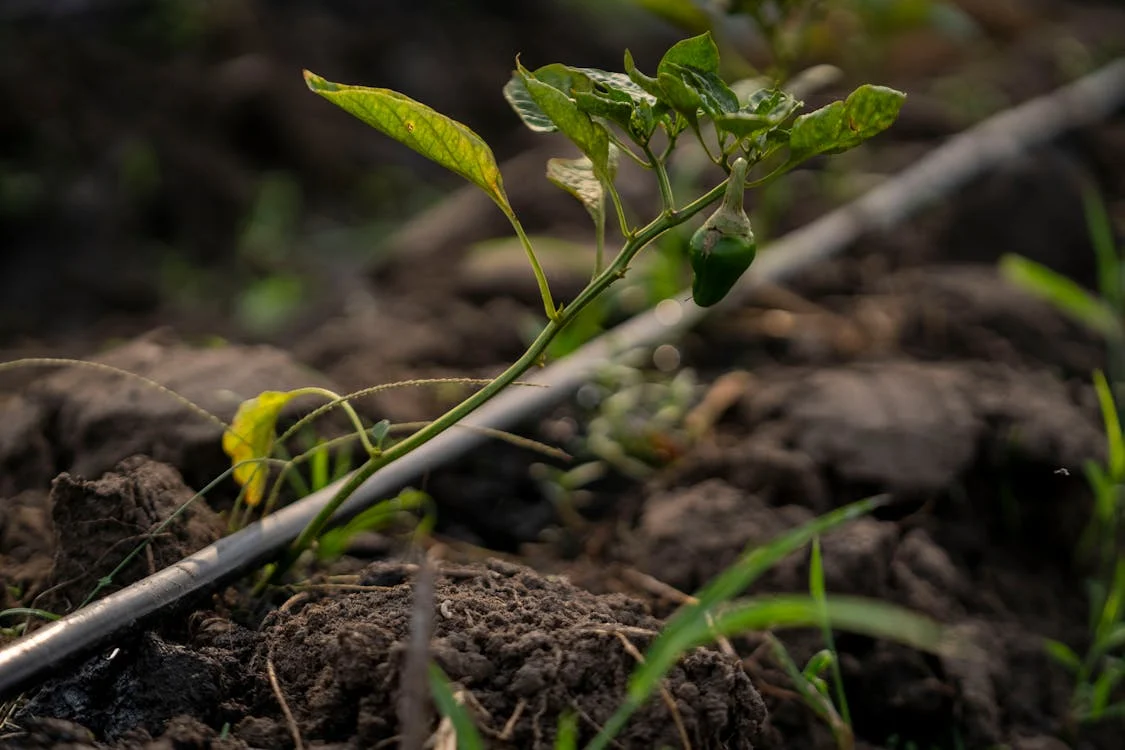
(723, 248)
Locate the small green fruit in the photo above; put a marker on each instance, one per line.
(718, 261)
(723, 248)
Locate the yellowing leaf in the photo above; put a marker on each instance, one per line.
(451, 144)
(251, 436)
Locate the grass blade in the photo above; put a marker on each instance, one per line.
(819, 593)
(468, 738)
(680, 634)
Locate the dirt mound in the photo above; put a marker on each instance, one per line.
(523, 648)
(526, 648)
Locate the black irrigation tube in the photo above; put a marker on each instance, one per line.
(1095, 97)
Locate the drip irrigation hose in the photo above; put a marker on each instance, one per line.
(38, 656)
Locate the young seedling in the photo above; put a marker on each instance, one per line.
(715, 612)
(609, 116)
(1099, 674)
(1104, 312)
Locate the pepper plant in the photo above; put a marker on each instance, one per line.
(609, 116)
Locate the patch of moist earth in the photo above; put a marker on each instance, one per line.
(521, 649)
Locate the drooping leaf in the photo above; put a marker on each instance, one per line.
(515, 91)
(251, 437)
(451, 144)
(577, 177)
(590, 137)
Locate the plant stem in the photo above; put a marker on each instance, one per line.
(666, 197)
(540, 277)
(534, 352)
(357, 423)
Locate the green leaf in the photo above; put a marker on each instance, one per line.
(646, 83)
(1113, 607)
(680, 96)
(1063, 654)
(816, 131)
(764, 109)
(688, 76)
(819, 593)
(1115, 440)
(818, 663)
(1110, 262)
(433, 135)
(742, 124)
(334, 542)
(590, 137)
(618, 99)
(615, 107)
(697, 52)
(869, 617)
(515, 91)
(839, 126)
(567, 737)
(618, 82)
(468, 738)
(715, 96)
(1110, 641)
(1111, 675)
(868, 111)
(1067, 296)
(576, 176)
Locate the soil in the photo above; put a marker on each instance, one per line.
(905, 367)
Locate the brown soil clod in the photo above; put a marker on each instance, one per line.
(99, 522)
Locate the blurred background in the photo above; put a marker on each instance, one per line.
(161, 161)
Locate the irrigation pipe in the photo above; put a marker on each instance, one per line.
(1095, 97)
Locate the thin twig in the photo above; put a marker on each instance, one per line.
(275, 685)
(659, 588)
(669, 701)
(510, 724)
(414, 704)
